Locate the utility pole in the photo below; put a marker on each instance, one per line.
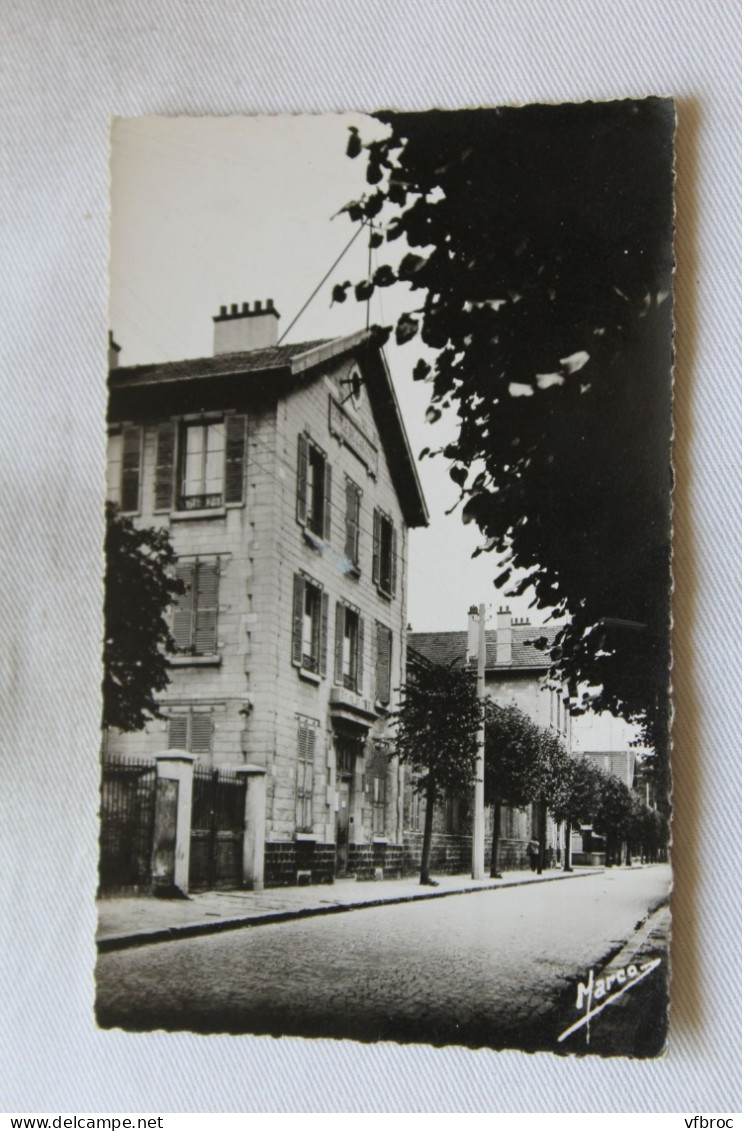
(479, 825)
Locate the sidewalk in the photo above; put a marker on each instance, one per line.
(136, 921)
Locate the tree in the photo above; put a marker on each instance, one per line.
(139, 589)
(613, 816)
(511, 764)
(541, 259)
(575, 799)
(437, 736)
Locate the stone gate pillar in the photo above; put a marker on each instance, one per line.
(254, 836)
(172, 837)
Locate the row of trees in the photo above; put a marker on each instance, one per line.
(437, 736)
(539, 267)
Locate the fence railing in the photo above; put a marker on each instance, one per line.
(127, 816)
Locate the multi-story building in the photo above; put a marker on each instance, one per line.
(516, 671)
(285, 478)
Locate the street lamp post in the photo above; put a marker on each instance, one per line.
(478, 793)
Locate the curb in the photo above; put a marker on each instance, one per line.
(108, 943)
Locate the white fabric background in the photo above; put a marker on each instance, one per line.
(67, 68)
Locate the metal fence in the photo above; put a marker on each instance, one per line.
(217, 827)
(127, 823)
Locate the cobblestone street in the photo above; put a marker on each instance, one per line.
(492, 968)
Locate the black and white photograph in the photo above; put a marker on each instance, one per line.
(371, 562)
(386, 669)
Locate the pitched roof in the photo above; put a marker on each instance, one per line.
(224, 364)
(446, 647)
(282, 367)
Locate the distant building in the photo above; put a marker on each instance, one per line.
(284, 476)
(517, 664)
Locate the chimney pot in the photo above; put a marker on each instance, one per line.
(269, 304)
(244, 328)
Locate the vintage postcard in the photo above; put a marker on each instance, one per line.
(388, 551)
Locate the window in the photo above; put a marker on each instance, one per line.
(195, 616)
(349, 653)
(384, 554)
(313, 489)
(191, 730)
(204, 459)
(305, 773)
(414, 809)
(383, 666)
(379, 789)
(353, 507)
(310, 626)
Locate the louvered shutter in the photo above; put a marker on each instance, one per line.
(376, 539)
(323, 649)
(382, 675)
(165, 460)
(298, 609)
(351, 545)
(234, 458)
(360, 656)
(327, 498)
(338, 673)
(393, 560)
(178, 732)
(201, 732)
(207, 600)
(183, 614)
(131, 462)
(302, 458)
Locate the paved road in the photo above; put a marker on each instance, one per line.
(495, 969)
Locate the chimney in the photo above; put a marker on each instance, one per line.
(113, 352)
(472, 652)
(238, 330)
(504, 636)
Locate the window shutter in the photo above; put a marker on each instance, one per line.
(165, 459)
(178, 732)
(201, 732)
(393, 559)
(131, 462)
(384, 657)
(183, 614)
(302, 458)
(207, 599)
(298, 610)
(234, 458)
(376, 538)
(338, 674)
(360, 656)
(327, 496)
(323, 652)
(351, 545)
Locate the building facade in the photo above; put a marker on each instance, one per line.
(516, 671)
(284, 476)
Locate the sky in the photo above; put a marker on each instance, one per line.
(211, 211)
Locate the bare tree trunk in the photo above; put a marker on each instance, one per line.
(495, 873)
(542, 828)
(567, 848)
(425, 878)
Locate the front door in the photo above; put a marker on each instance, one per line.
(342, 825)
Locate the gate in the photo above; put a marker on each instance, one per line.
(127, 817)
(217, 827)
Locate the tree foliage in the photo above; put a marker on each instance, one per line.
(139, 589)
(540, 263)
(436, 734)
